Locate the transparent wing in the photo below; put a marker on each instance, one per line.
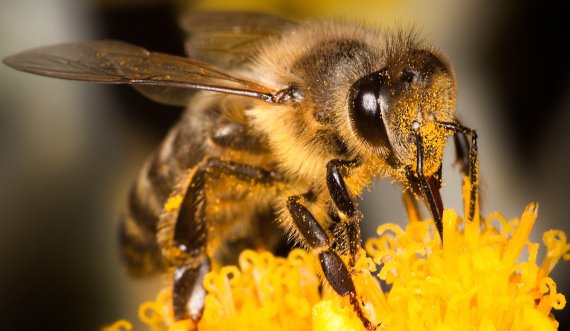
(228, 39)
(159, 76)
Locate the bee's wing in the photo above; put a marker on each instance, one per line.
(162, 77)
(229, 39)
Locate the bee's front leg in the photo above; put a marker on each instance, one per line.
(345, 203)
(190, 232)
(467, 156)
(317, 240)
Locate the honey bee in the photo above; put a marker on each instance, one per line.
(286, 124)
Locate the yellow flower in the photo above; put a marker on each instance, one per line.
(475, 281)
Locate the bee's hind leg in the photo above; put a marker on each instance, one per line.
(189, 239)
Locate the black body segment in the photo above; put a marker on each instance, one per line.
(337, 187)
(306, 224)
(336, 273)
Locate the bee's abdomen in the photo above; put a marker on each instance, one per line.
(139, 249)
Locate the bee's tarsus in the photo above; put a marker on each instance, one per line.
(356, 305)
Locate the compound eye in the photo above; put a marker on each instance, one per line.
(366, 105)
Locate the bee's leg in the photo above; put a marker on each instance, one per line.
(467, 155)
(190, 236)
(318, 241)
(190, 233)
(190, 239)
(344, 202)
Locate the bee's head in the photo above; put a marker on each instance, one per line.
(390, 107)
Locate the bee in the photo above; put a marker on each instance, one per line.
(286, 124)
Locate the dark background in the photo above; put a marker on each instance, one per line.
(69, 151)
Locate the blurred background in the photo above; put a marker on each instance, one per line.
(69, 151)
